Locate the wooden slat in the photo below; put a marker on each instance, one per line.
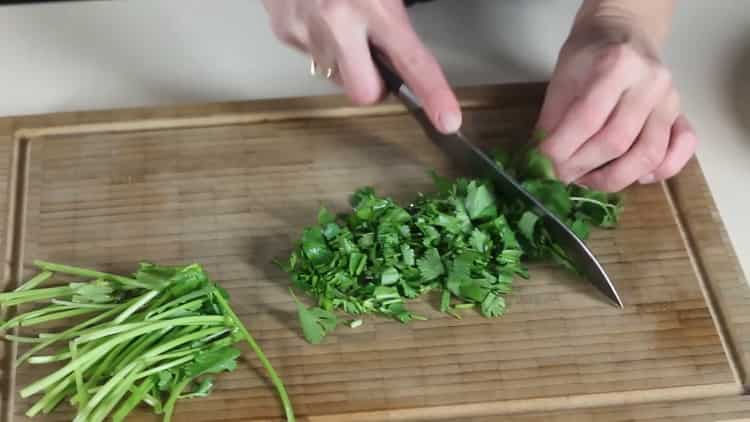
(725, 409)
(231, 186)
(726, 283)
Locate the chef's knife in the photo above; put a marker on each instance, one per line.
(458, 147)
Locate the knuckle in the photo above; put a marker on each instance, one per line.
(662, 76)
(617, 146)
(674, 101)
(289, 32)
(628, 125)
(589, 116)
(281, 30)
(652, 158)
(618, 181)
(613, 57)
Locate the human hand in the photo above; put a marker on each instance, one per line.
(339, 32)
(611, 114)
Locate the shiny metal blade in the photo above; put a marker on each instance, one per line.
(474, 160)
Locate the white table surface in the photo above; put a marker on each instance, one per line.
(93, 55)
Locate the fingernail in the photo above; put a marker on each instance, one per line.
(647, 179)
(449, 122)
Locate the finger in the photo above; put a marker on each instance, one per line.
(421, 72)
(644, 157)
(339, 41)
(681, 149)
(286, 26)
(585, 116)
(356, 69)
(321, 46)
(638, 116)
(557, 99)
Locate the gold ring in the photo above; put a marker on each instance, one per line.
(328, 74)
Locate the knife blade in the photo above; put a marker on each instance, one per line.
(460, 148)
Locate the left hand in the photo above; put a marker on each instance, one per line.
(611, 114)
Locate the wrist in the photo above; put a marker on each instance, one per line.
(644, 22)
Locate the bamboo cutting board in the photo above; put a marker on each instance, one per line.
(232, 185)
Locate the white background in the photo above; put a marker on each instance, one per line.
(91, 55)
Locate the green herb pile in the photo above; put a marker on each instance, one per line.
(464, 240)
(153, 338)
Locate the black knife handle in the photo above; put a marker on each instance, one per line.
(393, 81)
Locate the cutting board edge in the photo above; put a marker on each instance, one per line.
(536, 405)
(245, 112)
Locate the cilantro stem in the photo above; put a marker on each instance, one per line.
(35, 281)
(173, 396)
(178, 301)
(19, 298)
(154, 402)
(82, 393)
(70, 304)
(26, 340)
(86, 273)
(592, 201)
(136, 396)
(136, 348)
(16, 321)
(56, 316)
(286, 403)
(142, 301)
(165, 366)
(151, 326)
(89, 358)
(185, 307)
(69, 333)
(111, 400)
(51, 397)
(109, 386)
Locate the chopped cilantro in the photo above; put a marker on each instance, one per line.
(465, 240)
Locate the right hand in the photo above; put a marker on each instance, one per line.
(339, 32)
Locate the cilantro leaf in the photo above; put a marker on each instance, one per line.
(325, 217)
(538, 166)
(473, 290)
(480, 202)
(389, 276)
(430, 265)
(581, 228)
(552, 193)
(493, 305)
(213, 361)
(479, 241)
(315, 322)
(314, 246)
(527, 224)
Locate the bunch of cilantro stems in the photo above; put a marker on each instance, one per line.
(464, 240)
(152, 339)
